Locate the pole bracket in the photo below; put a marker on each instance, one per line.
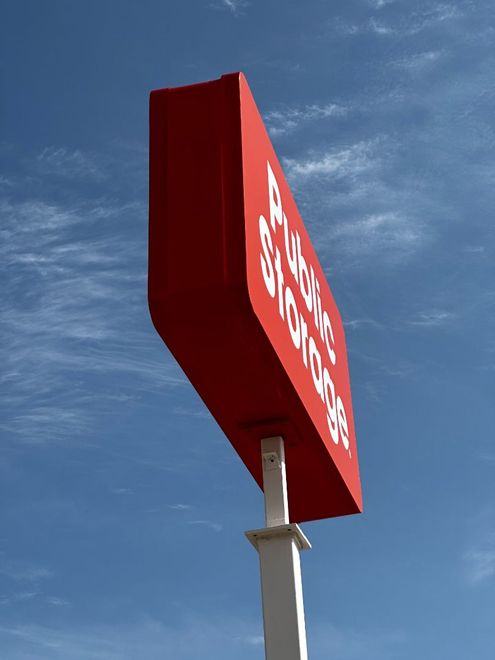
(292, 530)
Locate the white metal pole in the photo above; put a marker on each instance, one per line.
(278, 545)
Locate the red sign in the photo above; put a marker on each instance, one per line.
(238, 295)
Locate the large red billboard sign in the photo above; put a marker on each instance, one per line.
(237, 293)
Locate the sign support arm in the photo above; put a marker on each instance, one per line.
(278, 546)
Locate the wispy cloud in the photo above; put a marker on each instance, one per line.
(356, 208)
(378, 4)
(215, 526)
(480, 561)
(385, 233)
(252, 640)
(74, 307)
(5, 181)
(347, 161)
(391, 195)
(432, 318)
(235, 7)
(419, 63)
(183, 411)
(223, 638)
(396, 368)
(23, 581)
(21, 571)
(379, 28)
(475, 249)
(370, 26)
(18, 597)
(433, 15)
(412, 23)
(56, 601)
(122, 491)
(287, 120)
(196, 522)
(355, 324)
(353, 644)
(71, 163)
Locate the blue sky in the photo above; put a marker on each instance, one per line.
(123, 507)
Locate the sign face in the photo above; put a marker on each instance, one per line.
(291, 297)
(237, 293)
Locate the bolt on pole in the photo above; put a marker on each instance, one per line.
(279, 545)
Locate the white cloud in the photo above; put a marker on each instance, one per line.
(72, 164)
(47, 423)
(372, 26)
(122, 491)
(432, 318)
(223, 638)
(56, 601)
(378, 233)
(419, 62)
(22, 571)
(346, 161)
(194, 413)
(355, 208)
(379, 28)
(418, 20)
(347, 643)
(5, 181)
(234, 6)
(252, 640)
(397, 368)
(287, 120)
(378, 4)
(480, 562)
(436, 13)
(19, 597)
(216, 527)
(73, 307)
(355, 324)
